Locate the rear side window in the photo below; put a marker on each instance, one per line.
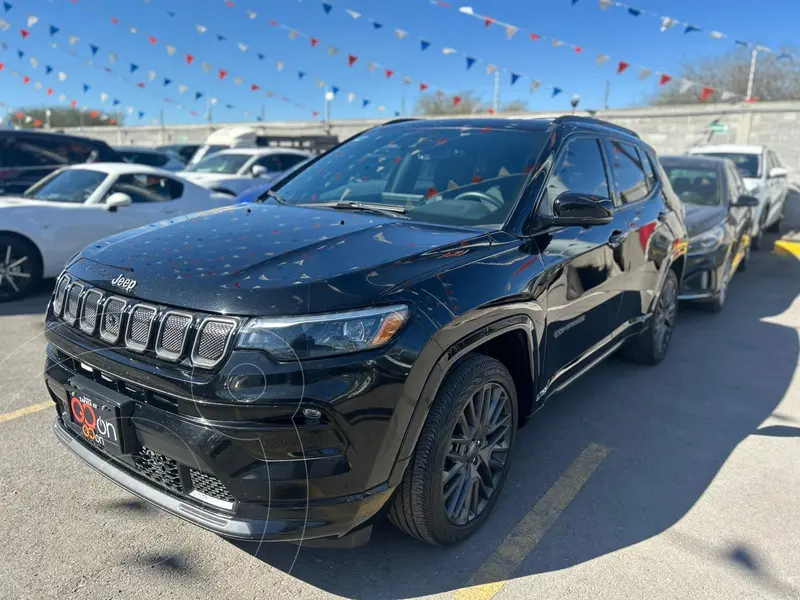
(647, 163)
(147, 188)
(279, 162)
(580, 170)
(629, 176)
(151, 159)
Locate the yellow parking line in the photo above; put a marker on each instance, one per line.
(28, 410)
(492, 575)
(787, 247)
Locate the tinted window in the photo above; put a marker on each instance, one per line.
(629, 177)
(151, 159)
(72, 185)
(748, 165)
(453, 175)
(147, 188)
(647, 163)
(698, 186)
(228, 164)
(580, 169)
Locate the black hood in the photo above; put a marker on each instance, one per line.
(258, 259)
(702, 218)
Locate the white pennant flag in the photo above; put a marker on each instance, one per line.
(201, 29)
(28, 119)
(686, 85)
(557, 43)
(213, 100)
(510, 31)
(134, 30)
(242, 47)
(400, 33)
(447, 51)
(4, 25)
(644, 73)
(206, 67)
(112, 58)
(535, 85)
(237, 80)
(717, 35)
(54, 46)
(292, 34)
(406, 80)
(38, 85)
(103, 97)
(320, 83)
(270, 94)
(251, 14)
(381, 108)
(352, 13)
(728, 96)
(332, 50)
(104, 117)
(130, 109)
(73, 39)
(667, 22)
(62, 76)
(182, 88)
(491, 69)
(62, 97)
(350, 97)
(371, 66)
(151, 75)
(605, 4)
(279, 65)
(32, 20)
(34, 62)
(171, 50)
(602, 58)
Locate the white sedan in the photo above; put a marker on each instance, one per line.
(74, 206)
(236, 170)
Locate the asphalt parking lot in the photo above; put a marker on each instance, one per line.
(676, 481)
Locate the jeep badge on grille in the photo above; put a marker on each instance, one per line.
(124, 283)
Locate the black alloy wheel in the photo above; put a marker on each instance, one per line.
(20, 268)
(650, 345)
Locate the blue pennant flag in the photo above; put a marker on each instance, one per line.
(364, 103)
(198, 95)
(556, 92)
(335, 90)
(167, 81)
(690, 29)
(325, 6)
(85, 87)
(574, 2)
(48, 69)
(424, 45)
(784, 56)
(134, 67)
(514, 77)
(259, 118)
(261, 56)
(301, 74)
(397, 113)
(141, 114)
(20, 53)
(634, 12)
(53, 30)
(7, 6)
(377, 25)
(229, 106)
(470, 62)
(116, 102)
(221, 37)
(170, 13)
(94, 49)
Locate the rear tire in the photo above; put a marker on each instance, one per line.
(20, 267)
(650, 346)
(462, 456)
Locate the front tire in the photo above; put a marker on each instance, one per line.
(462, 456)
(20, 267)
(650, 346)
(776, 226)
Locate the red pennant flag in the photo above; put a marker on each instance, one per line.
(456, 100)
(423, 87)
(273, 22)
(20, 115)
(315, 114)
(351, 60)
(488, 21)
(389, 73)
(107, 70)
(230, 4)
(153, 40)
(194, 113)
(665, 79)
(535, 36)
(622, 66)
(141, 85)
(314, 41)
(189, 59)
(37, 123)
(24, 33)
(26, 79)
(431, 192)
(113, 122)
(706, 93)
(49, 91)
(74, 103)
(2, 66)
(254, 87)
(222, 73)
(94, 114)
(752, 100)
(578, 49)
(115, 20)
(491, 112)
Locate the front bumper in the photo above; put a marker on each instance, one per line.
(704, 275)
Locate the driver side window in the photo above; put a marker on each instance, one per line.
(580, 170)
(147, 188)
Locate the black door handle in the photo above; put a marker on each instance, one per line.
(617, 237)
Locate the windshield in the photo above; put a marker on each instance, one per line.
(205, 151)
(72, 185)
(228, 164)
(454, 176)
(748, 165)
(695, 186)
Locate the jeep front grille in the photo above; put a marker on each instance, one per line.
(172, 335)
(60, 293)
(212, 341)
(91, 306)
(73, 300)
(140, 324)
(111, 323)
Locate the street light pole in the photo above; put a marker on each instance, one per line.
(752, 75)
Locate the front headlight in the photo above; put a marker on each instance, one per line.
(707, 241)
(315, 336)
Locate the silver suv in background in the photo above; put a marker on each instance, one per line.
(765, 178)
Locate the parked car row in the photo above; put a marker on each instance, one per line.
(380, 319)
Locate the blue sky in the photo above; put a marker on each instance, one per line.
(636, 40)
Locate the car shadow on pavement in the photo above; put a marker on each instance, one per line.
(34, 304)
(670, 428)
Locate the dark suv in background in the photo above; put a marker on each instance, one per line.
(370, 334)
(28, 156)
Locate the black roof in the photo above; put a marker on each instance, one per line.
(48, 134)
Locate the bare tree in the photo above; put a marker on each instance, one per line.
(462, 103)
(60, 116)
(777, 77)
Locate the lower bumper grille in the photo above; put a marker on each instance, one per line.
(159, 469)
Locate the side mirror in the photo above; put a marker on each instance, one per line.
(584, 210)
(116, 200)
(746, 201)
(778, 172)
(259, 170)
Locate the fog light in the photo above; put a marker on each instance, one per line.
(312, 413)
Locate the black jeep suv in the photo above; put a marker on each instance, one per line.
(371, 332)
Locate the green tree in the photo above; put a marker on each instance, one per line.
(60, 116)
(775, 78)
(468, 103)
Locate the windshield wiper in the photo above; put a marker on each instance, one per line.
(277, 197)
(390, 210)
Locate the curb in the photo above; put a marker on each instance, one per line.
(786, 247)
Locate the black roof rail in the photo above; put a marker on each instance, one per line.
(592, 121)
(400, 120)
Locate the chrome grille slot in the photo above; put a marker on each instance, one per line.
(172, 334)
(60, 293)
(212, 341)
(140, 325)
(211, 490)
(111, 322)
(72, 303)
(91, 308)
